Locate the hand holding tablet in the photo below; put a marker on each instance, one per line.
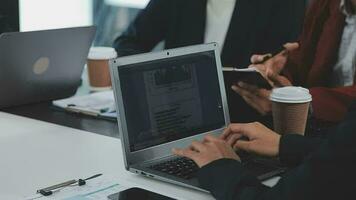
(250, 76)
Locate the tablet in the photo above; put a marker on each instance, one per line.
(248, 75)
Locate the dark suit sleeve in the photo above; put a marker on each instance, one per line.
(293, 148)
(227, 179)
(146, 31)
(327, 173)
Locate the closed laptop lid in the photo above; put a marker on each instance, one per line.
(167, 99)
(42, 65)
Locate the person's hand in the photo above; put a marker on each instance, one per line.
(261, 140)
(207, 151)
(273, 66)
(259, 98)
(255, 97)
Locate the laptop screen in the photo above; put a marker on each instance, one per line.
(170, 99)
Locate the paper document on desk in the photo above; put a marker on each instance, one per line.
(100, 104)
(97, 193)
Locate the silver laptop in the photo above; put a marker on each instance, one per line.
(42, 65)
(166, 100)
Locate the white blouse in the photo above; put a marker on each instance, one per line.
(219, 13)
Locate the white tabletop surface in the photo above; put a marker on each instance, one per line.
(35, 154)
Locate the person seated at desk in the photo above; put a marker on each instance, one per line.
(241, 28)
(326, 170)
(324, 62)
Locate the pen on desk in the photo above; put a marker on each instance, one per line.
(55, 188)
(108, 109)
(48, 190)
(73, 108)
(96, 175)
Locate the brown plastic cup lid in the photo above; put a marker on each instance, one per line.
(102, 53)
(291, 94)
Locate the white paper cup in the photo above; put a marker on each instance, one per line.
(290, 106)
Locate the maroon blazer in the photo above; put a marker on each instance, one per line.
(311, 65)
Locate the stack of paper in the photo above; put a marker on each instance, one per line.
(100, 104)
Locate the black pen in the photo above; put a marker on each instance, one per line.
(264, 59)
(55, 188)
(49, 190)
(96, 175)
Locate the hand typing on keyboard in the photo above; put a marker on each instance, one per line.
(207, 151)
(252, 138)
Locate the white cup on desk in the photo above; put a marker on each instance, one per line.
(98, 67)
(290, 106)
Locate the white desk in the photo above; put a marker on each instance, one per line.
(36, 154)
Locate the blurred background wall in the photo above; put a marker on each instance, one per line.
(110, 16)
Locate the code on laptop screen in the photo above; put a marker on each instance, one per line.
(170, 99)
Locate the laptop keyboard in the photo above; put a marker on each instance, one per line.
(186, 168)
(179, 167)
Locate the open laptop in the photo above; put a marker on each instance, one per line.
(166, 100)
(42, 65)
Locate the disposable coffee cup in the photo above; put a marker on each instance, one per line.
(290, 107)
(98, 67)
